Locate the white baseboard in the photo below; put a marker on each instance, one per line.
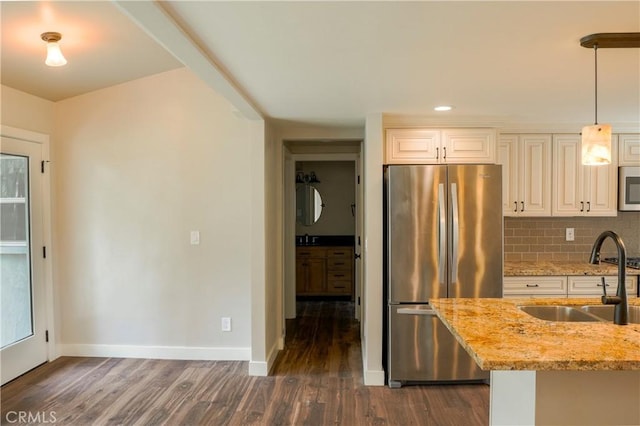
(373, 377)
(262, 368)
(156, 352)
(258, 368)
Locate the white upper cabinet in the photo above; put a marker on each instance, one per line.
(440, 146)
(629, 150)
(469, 146)
(582, 190)
(412, 146)
(526, 174)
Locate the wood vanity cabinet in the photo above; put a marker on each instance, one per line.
(324, 271)
(340, 270)
(311, 270)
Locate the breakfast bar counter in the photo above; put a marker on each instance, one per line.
(499, 336)
(549, 372)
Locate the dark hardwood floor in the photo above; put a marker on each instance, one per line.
(316, 380)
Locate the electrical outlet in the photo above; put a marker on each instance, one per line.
(226, 324)
(570, 234)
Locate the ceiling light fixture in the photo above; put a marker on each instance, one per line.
(596, 139)
(443, 108)
(54, 54)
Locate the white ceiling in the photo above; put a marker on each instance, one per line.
(103, 47)
(331, 63)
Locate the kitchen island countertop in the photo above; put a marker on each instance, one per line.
(554, 268)
(499, 336)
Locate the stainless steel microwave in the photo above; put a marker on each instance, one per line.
(629, 188)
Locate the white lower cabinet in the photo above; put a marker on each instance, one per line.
(587, 286)
(565, 286)
(535, 286)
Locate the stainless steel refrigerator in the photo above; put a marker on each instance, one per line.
(443, 238)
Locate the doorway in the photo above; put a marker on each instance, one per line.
(24, 334)
(329, 243)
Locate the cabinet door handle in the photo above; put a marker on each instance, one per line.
(515, 208)
(444, 155)
(533, 285)
(338, 275)
(522, 206)
(437, 153)
(581, 206)
(588, 206)
(338, 263)
(341, 253)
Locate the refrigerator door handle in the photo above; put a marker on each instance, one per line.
(455, 233)
(417, 311)
(442, 233)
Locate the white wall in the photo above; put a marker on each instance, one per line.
(372, 255)
(136, 168)
(267, 310)
(338, 192)
(24, 111)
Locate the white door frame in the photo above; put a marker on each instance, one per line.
(43, 141)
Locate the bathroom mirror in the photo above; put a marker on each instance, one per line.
(308, 204)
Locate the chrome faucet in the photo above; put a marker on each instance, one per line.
(621, 310)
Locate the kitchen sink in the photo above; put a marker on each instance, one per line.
(606, 312)
(559, 313)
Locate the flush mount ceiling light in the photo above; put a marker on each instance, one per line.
(54, 54)
(596, 139)
(443, 108)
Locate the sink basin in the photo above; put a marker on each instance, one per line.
(559, 313)
(606, 312)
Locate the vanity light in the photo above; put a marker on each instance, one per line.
(301, 177)
(596, 139)
(54, 54)
(443, 108)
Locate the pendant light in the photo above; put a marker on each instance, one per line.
(55, 58)
(596, 139)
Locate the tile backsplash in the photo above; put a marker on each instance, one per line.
(543, 239)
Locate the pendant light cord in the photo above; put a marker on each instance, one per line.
(595, 51)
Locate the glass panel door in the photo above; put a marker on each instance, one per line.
(15, 262)
(23, 344)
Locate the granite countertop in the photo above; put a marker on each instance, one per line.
(499, 336)
(549, 268)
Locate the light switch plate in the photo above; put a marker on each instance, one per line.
(195, 237)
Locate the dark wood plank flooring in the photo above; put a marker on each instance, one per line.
(316, 380)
